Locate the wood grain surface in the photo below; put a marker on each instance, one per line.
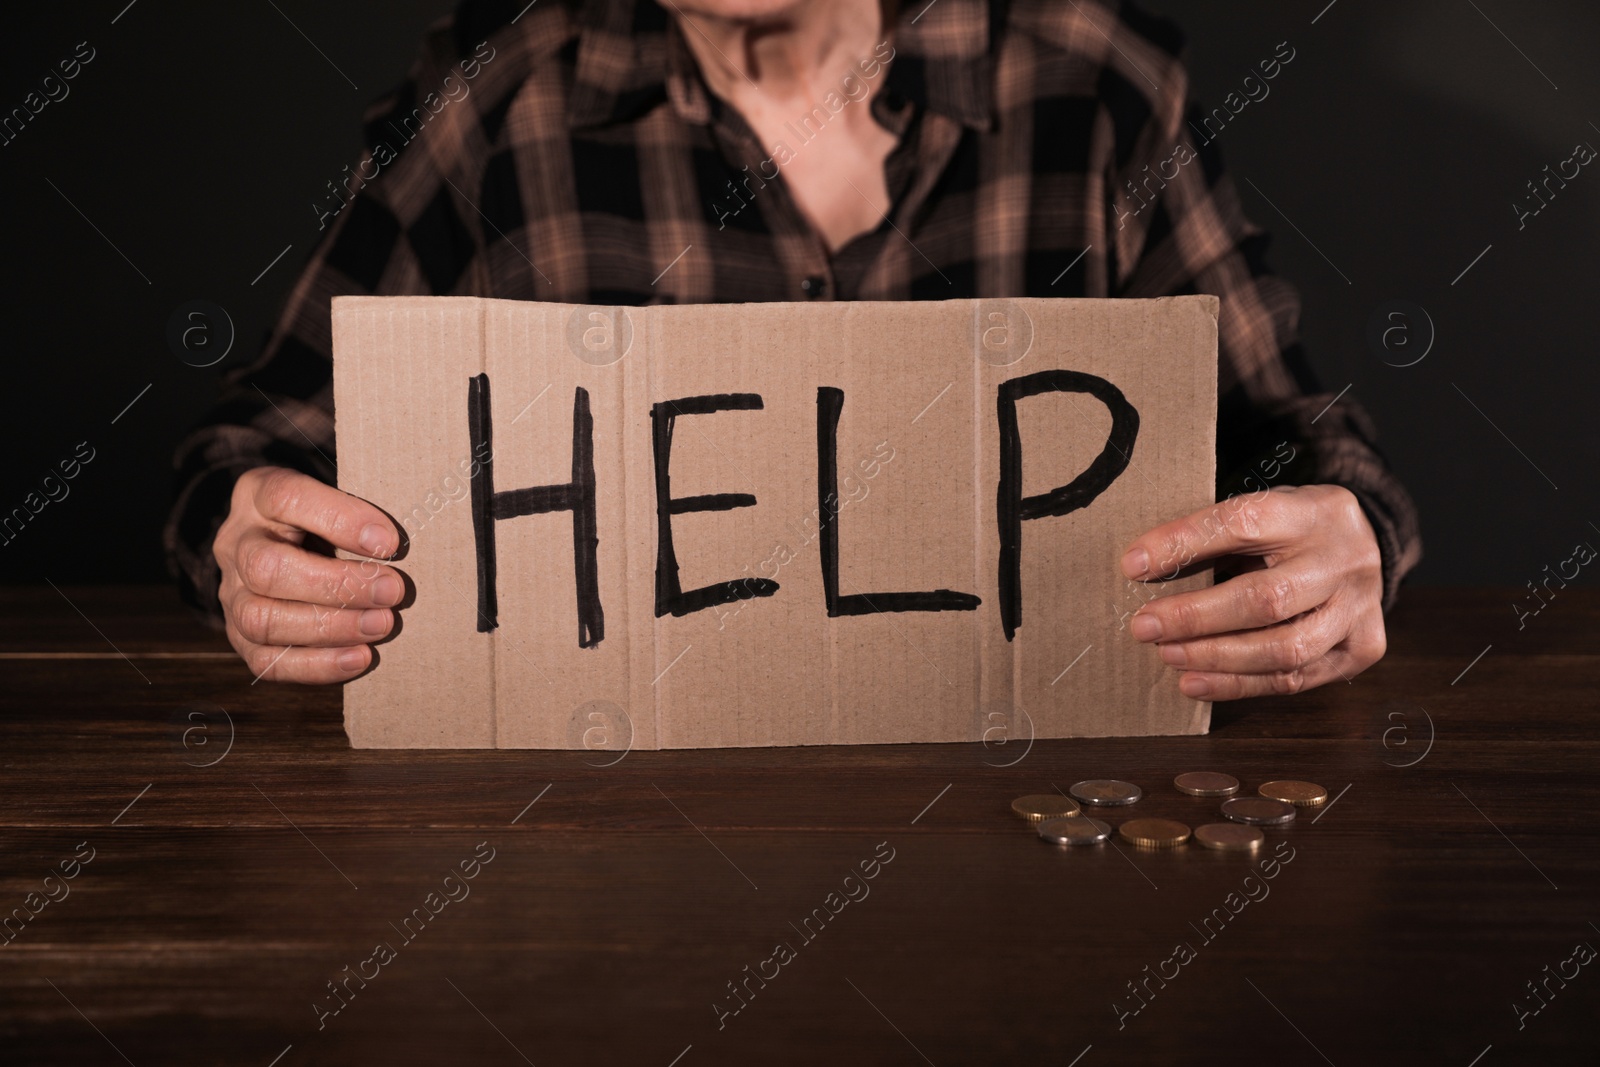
(243, 856)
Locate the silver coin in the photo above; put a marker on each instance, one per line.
(1106, 792)
(1258, 811)
(1074, 830)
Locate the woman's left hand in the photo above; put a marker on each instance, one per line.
(1307, 610)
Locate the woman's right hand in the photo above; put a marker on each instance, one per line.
(296, 615)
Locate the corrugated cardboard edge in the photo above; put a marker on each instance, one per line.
(1211, 306)
(444, 725)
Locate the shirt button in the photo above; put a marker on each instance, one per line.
(814, 286)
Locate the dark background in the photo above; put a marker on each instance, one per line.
(1396, 141)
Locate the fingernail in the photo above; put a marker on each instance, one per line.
(388, 590)
(1145, 627)
(1174, 655)
(1193, 685)
(352, 660)
(375, 622)
(1136, 563)
(374, 539)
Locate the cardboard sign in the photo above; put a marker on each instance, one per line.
(771, 524)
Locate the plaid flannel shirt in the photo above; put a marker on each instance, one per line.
(572, 152)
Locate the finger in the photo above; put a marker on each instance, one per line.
(307, 666)
(274, 568)
(1365, 646)
(1251, 525)
(1296, 643)
(344, 521)
(1248, 602)
(1336, 666)
(266, 621)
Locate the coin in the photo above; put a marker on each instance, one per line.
(1074, 830)
(1300, 794)
(1229, 837)
(1037, 807)
(1258, 811)
(1153, 833)
(1106, 792)
(1207, 784)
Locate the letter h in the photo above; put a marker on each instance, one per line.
(576, 496)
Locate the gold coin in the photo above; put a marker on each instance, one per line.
(1106, 792)
(1036, 807)
(1153, 833)
(1229, 837)
(1207, 784)
(1074, 830)
(1300, 794)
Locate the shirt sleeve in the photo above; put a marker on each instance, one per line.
(1177, 228)
(387, 226)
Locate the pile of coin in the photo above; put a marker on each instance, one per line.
(1060, 818)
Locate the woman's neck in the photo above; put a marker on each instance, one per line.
(795, 54)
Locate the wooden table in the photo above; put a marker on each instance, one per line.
(243, 857)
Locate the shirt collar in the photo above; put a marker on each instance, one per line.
(631, 56)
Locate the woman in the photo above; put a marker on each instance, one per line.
(621, 152)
